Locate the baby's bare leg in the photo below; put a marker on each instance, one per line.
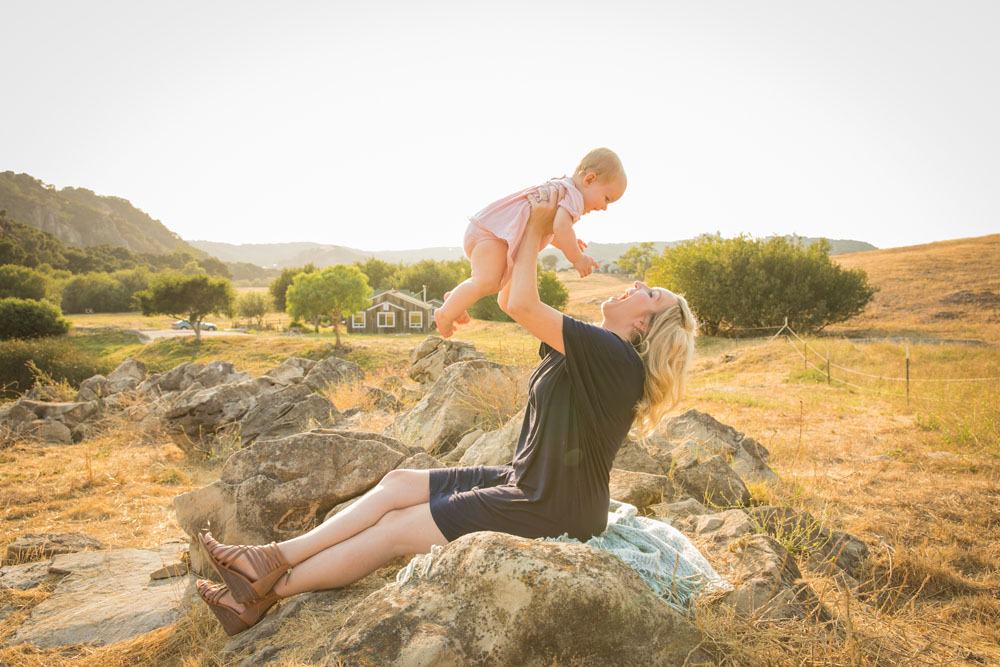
(489, 261)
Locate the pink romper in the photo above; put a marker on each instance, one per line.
(506, 219)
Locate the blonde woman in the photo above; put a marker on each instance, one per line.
(593, 385)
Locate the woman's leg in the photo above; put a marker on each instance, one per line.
(399, 489)
(410, 530)
(489, 262)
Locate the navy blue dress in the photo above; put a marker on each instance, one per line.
(580, 408)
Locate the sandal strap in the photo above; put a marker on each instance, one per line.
(211, 593)
(264, 559)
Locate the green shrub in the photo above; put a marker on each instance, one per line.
(23, 318)
(22, 283)
(57, 358)
(741, 283)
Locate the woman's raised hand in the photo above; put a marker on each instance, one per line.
(544, 204)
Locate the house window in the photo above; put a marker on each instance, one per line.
(386, 320)
(358, 320)
(416, 319)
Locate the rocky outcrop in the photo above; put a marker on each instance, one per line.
(277, 489)
(181, 377)
(746, 456)
(490, 598)
(710, 481)
(468, 395)
(106, 597)
(766, 579)
(429, 359)
(643, 489)
(828, 552)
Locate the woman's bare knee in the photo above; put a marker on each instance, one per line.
(406, 487)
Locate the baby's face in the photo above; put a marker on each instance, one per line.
(597, 194)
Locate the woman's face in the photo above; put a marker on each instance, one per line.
(637, 303)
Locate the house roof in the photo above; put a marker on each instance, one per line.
(405, 295)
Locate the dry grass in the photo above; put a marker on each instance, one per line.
(924, 500)
(949, 289)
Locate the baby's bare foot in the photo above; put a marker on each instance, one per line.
(464, 318)
(445, 327)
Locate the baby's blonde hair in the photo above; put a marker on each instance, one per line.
(603, 162)
(666, 350)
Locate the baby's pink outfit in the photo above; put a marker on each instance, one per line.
(507, 218)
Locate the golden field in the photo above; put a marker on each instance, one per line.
(917, 479)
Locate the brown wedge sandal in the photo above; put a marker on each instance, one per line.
(266, 560)
(232, 622)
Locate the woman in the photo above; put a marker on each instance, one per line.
(594, 384)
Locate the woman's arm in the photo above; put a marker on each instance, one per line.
(522, 302)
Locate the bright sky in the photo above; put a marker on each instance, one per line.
(384, 125)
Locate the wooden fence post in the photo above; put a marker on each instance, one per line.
(907, 373)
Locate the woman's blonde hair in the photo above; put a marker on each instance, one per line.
(666, 350)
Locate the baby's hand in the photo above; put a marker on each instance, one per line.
(585, 266)
(581, 245)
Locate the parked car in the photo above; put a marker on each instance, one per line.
(184, 324)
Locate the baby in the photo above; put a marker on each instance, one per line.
(493, 234)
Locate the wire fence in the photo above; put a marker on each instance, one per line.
(804, 350)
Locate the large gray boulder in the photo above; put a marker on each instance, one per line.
(286, 410)
(129, 375)
(292, 369)
(491, 598)
(634, 456)
(198, 412)
(106, 597)
(746, 456)
(468, 395)
(277, 489)
(331, 371)
(93, 388)
(711, 481)
(643, 489)
(429, 359)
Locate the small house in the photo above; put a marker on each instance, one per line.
(394, 311)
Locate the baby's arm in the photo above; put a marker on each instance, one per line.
(565, 239)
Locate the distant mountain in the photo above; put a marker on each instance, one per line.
(281, 255)
(81, 217)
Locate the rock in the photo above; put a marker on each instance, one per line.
(429, 359)
(291, 370)
(456, 454)
(633, 456)
(70, 414)
(176, 569)
(491, 598)
(93, 388)
(828, 551)
(389, 442)
(199, 413)
(420, 461)
(290, 409)
(712, 481)
(107, 597)
(129, 375)
(380, 399)
(333, 371)
(277, 489)
(23, 577)
(746, 456)
(766, 580)
(263, 632)
(468, 395)
(678, 510)
(38, 546)
(47, 430)
(494, 448)
(180, 377)
(642, 489)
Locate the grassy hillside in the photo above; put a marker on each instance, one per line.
(81, 217)
(948, 289)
